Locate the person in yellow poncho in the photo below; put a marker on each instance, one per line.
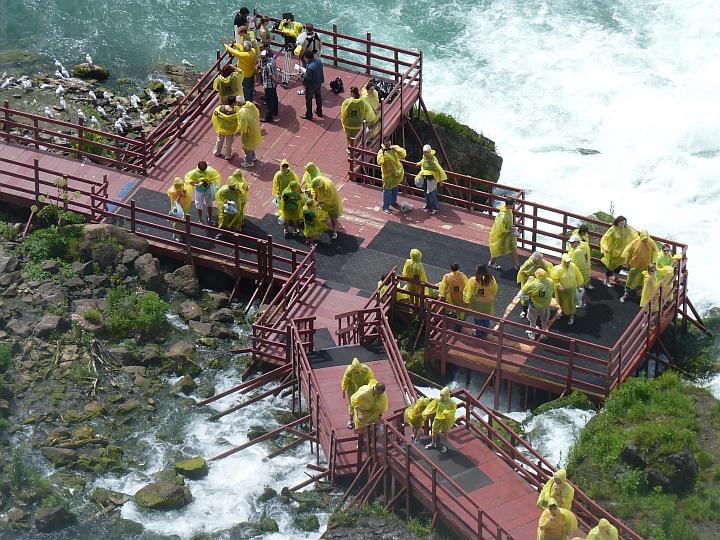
(603, 531)
(180, 196)
(666, 258)
(539, 292)
(228, 84)
(414, 269)
(656, 280)
(328, 198)
(451, 291)
(370, 94)
(353, 112)
(392, 172)
(281, 181)
(583, 232)
(430, 177)
(503, 235)
(442, 410)
(556, 523)
(566, 278)
(637, 255)
(356, 375)
(413, 416)
(612, 245)
(479, 294)
(206, 181)
(579, 252)
(232, 200)
(291, 208)
(226, 121)
(290, 30)
(249, 126)
(311, 173)
(557, 488)
(314, 221)
(368, 404)
(534, 261)
(247, 58)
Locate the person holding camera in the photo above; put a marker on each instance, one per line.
(247, 62)
(289, 29)
(313, 79)
(206, 181)
(269, 75)
(392, 172)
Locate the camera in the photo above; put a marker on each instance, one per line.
(288, 17)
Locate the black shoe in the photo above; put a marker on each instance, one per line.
(319, 113)
(305, 117)
(266, 119)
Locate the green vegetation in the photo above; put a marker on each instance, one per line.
(655, 419)
(420, 527)
(93, 315)
(576, 400)
(7, 231)
(93, 148)
(5, 356)
(135, 311)
(52, 242)
(452, 125)
(347, 517)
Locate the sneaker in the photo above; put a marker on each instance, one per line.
(301, 92)
(523, 314)
(386, 211)
(607, 283)
(412, 438)
(429, 446)
(571, 320)
(623, 298)
(319, 113)
(443, 449)
(247, 164)
(333, 236)
(286, 233)
(495, 265)
(350, 424)
(176, 238)
(433, 212)
(217, 154)
(530, 335)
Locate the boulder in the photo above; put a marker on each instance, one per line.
(11, 291)
(106, 497)
(163, 496)
(267, 524)
(193, 468)
(190, 310)
(632, 455)
(10, 278)
(123, 355)
(307, 522)
(94, 409)
(121, 270)
(8, 264)
(184, 281)
(216, 300)
(59, 457)
(75, 282)
(202, 328)
(105, 254)
(96, 281)
(4, 409)
(676, 473)
(155, 86)
(267, 494)
(90, 71)
(147, 268)
(53, 518)
(129, 406)
(256, 431)
(181, 349)
(221, 331)
(185, 385)
(150, 354)
(223, 315)
(129, 256)
(47, 325)
(92, 233)
(20, 328)
(50, 266)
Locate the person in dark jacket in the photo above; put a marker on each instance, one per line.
(313, 79)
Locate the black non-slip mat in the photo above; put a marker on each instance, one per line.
(439, 251)
(343, 356)
(455, 465)
(322, 339)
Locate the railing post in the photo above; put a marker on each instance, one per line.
(269, 255)
(65, 192)
(236, 241)
(334, 45)
(367, 54)
(92, 203)
(36, 169)
(144, 159)
(6, 128)
(81, 137)
(188, 240)
(36, 133)
(397, 65)
(434, 490)
(498, 366)
(534, 232)
(132, 216)
(571, 362)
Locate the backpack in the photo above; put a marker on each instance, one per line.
(337, 86)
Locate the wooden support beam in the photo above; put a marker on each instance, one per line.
(270, 435)
(263, 395)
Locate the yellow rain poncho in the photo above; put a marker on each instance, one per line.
(236, 190)
(580, 255)
(603, 531)
(613, 243)
(414, 269)
(282, 180)
(391, 168)
(367, 406)
(414, 412)
(228, 86)
(637, 255)
(583, 237)
(225, 124)
(372, 97)
(430, 166)
(291, 204)
(501, 238)
(539, 290)
(562, 492)
(480, 298)
(353, 112)
(201, 179)
(356, 375)
(314, 220)
(528, 268)
(452, 287)
(443, 409)
(180, 193)
(246, 60)
(663, 260)
(311, 173)
(556, 526)
(249, 125)
(290, 28)
(661, 279)
(566, 280)
(327, 196)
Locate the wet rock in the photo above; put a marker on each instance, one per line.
(209, 342)
(267, 524)
(202, 328)
(190, 310)
(51, 266)
(307, 500)
(17, 515)
(90, 71)
(193, 468)
(216, 300)
(68, 480)
(129, 256)
(8, 264)
(47, 325)
(223, 315)
(129, 406)
(221, 331)
(155, 86)
(96, 281)
(181, 349)
(163, 496)
(59, 457)
(53, 518)
(105, 254)
(185, 385)
(184, 281)
(147, 268)
(10, 278)
(267, 494)
(94, 409)
(256, 431)
(4, 409)
(93, 233)
(17, 56)
(307, 522)
(107, 497)
(20, 328)
(123, 355)
(150, 354)
(676, 473)
(135, 370)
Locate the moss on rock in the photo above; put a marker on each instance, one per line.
(91, 71)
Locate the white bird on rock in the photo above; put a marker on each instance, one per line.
(107, 95)
(179, 94)
(119, 126)
(94, 121)
(49, 113)
(3, 75)
(60, 90)
(58, 74)
(186, 63)
(120, 108)
(81, 115)
(62, 103)
(88, 59)
(134, 101)
(126, 119)
(92, 95)
(65, 73)
(45, 86)
(101, 111)
(143, 119)
(26, 84)
(58, 64)
(153, 98)
(5, 84)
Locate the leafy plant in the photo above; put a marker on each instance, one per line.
(52, 242)
(452, 125)
(135, 311)
(5, 356)
(93, 315)
(8, 231)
